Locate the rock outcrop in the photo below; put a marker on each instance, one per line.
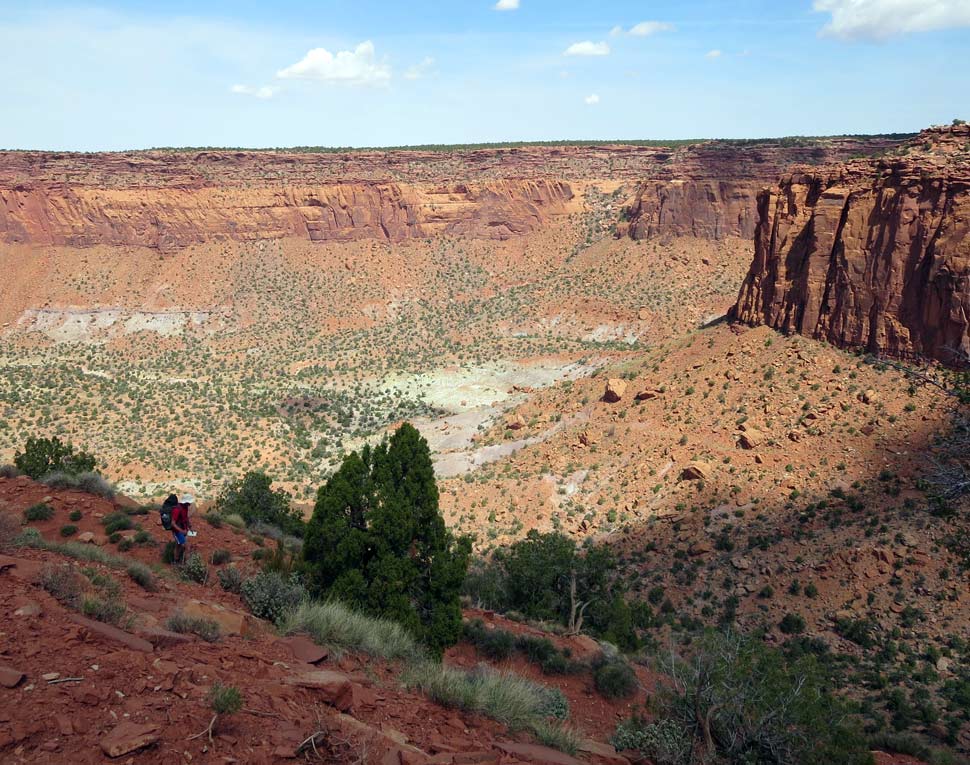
(710, 191)
(872, 254)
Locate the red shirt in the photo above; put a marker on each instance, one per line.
(180, 516)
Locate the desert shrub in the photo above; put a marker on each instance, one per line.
(9, 471)
(230, 579)
(115, 538)
(207, 629)
(485, 585)
(270, 595)
(194, 569)
(142, 537)
(219, 557)
(213, 519)
(89, 482)
(665, 742)
(614, 678)
(859, 631)
(68, 530)
(377, 540)
(334, 624)
(225, 699)
(141, 575)
(168, 552)
(536, 649)
(104, 609)
(503, 696)
(234, 519)
(75, 515)
(493, 643)
(9, 529)
(254, 500)
(554, 703)
(29, 537)
(558, 736)
(62, 581)
(125, 544)
(115, 522)
(745, 702)
(39, 512)
(43, 456)
(792, 624)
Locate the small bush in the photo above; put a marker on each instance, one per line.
(104, 609)
(554, 704)
(142, 576)
(168, 553)
(230, 579)
(63, 583)
(615, 679)
(75, 515)
(125, 545)
(9, 529)
(68, 531)
(225, 699)
(115, 522)
(665, 742)
(9, 471)
(194, 569)
(792, 624)
(39, 512)
(213, 519)
(207, 629)
(234, 519)
(269, 595)
(142, 537)
(219, 557)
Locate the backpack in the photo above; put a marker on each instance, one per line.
(168, 507)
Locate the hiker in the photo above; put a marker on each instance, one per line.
(181, 525)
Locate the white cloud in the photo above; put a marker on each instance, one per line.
(616, 31)
(357, 67)
(418, 71)
(264, 91)
(882, 19)
(507, 5)
(592, 99)
(647, 28)
(587, 48)
(713, 54)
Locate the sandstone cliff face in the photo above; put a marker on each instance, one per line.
(711, 191)
(171, 199)
(872, 254)
(169, 218)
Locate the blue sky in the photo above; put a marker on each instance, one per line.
(123, 74)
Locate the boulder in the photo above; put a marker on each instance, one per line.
(10, 677)
(646, 395)
(305, 650)
(114, 634)
(129, 737)
(335, 688)
(751, 439)
(230, 622)
(870, 397)
(696, 471)
(615, 388)
(515, 422)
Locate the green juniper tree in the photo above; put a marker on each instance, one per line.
(377, 540)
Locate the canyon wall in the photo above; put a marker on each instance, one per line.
(171, 199)
(872, 254)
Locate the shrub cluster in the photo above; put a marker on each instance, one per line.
(270, 595)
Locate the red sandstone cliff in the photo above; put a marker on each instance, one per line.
(872, 254)
(170, 199)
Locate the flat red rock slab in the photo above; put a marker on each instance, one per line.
(10, 677)
(304, 649)
(129, 737)
(113, 633)
(537, 755)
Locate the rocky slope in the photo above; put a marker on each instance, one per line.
(871, 254)
(169, 200)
